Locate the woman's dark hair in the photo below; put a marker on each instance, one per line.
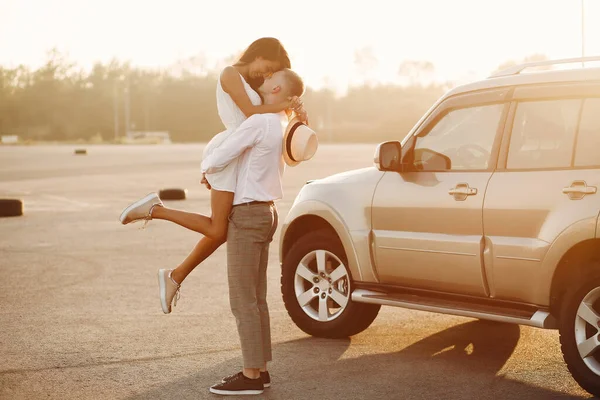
(267, 48)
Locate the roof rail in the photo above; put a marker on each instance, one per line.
(518, 68)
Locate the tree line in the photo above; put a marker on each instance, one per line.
(60, 102)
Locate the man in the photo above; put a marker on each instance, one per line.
(253, 221)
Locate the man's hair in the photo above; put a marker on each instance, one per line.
(295, 83)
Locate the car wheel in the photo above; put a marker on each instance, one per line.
(316, 286)
(579, 328)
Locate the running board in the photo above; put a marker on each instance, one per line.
(538, 319)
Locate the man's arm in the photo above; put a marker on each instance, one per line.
(244, 137)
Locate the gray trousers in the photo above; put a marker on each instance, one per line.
(251, 229)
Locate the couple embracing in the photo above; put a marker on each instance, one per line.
(258, 100)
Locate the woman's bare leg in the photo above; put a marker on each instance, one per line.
(215, 230)
(214, 227)
(204, 248)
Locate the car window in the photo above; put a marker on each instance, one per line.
(587, 153)
(543, 134)
(465, 136)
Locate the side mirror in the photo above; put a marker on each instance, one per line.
(387, 156)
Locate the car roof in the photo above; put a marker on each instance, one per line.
(517, 79)
(513, 76)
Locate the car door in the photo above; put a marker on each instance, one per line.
(547, 181)
(427, 221)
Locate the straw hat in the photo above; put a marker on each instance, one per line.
(299, 143)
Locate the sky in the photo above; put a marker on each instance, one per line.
(464, 39)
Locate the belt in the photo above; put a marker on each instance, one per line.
(254, 203)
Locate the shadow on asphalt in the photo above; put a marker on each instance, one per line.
(461, 362)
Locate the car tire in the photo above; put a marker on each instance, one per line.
(340, 321)
(575, 331)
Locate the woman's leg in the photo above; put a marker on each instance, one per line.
(205, 247)
(214, 227)
(215, 230)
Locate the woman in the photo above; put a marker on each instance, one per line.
(237, 99)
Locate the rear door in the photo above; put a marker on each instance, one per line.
(548, 180)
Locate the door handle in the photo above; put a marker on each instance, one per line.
(464, 191)
(461, 191)
(578, 190)
(586, 190)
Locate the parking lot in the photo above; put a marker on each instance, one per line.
(80, 316)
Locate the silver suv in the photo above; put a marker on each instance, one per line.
(489, 208)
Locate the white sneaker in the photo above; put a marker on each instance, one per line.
(168, 289)
(141, 209)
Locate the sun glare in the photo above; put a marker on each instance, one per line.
(463, 40)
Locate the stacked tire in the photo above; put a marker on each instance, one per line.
(172, 194)
(11, 207)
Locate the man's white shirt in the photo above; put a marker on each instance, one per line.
(258, 144)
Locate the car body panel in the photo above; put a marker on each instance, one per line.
(336, 199)
(326, 212)
(576, 233)
(425, 237)
(559, 76)
(523, 220)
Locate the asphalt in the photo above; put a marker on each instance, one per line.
(80, 316)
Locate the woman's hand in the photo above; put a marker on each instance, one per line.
(204, 182)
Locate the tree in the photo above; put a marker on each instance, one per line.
(532, 58)
(59, 101)
(365, 62)
(417, 72)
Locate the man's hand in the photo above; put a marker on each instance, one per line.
(204, 181)
(302, 116)
(295, 103)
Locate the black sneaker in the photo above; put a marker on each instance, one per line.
(266, 378)
(238, 385)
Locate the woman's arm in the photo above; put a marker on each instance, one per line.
(231, 81)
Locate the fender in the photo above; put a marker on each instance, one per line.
(355, 243)
(578, 232)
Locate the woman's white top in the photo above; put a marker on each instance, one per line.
(232, 117)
